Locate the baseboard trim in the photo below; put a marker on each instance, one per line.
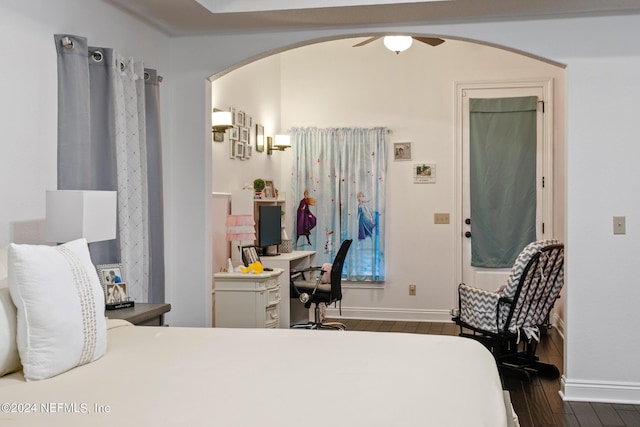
(393, 314)
(594, 391)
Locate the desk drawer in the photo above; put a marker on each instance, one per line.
(272, 317)
(273, 296)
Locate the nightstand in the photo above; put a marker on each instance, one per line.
(142, 314)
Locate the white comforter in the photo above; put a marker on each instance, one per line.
(154, 376)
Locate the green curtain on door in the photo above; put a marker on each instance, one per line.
(502, 139)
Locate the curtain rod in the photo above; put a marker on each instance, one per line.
(68, 44)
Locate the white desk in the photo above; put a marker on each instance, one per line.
(290, 311)
(248, 300)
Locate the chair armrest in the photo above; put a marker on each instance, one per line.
(295, 274)
(479, 307)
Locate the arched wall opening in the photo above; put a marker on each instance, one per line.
(330, 83)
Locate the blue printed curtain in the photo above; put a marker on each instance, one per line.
(338, 179)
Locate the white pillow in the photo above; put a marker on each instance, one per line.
(9, 358)
(60, 306)
(3, 266)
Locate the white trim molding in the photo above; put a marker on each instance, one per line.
(598, 391)
(394, 314)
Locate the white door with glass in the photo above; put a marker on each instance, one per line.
(504, 161)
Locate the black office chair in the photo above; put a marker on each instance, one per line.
(312, 291)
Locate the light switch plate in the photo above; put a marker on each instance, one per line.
(619, 225)
(441, 218)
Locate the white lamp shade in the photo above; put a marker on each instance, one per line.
(221, 120)
(282, 141)
(73, 214)
(398, 43)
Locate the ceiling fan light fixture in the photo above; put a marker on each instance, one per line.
(398, 44)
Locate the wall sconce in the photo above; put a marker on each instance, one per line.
(221, 121)
(282, 143)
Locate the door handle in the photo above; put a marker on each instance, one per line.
(467, 234)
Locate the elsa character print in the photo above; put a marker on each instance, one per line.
(366, 218)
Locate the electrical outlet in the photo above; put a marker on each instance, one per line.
(412, 290)
(441, 218)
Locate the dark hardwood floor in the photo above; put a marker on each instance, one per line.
(536, 402)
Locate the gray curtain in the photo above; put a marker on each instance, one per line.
(87, 142)
(502, 179)
(86, 139)
(155, 201)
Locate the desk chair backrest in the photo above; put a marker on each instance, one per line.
(533, 287)
(336, 271)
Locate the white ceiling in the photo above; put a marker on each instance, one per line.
(191, 17)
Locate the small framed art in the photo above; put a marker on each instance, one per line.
(109, 274)
(424, 173)
(269, 190)
(401, 151)
(244, 135)
(234, 133)
(117, 293)
(218, 136)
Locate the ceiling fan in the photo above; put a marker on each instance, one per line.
(401, 43)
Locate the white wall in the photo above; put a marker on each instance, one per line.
(602, 174)
(254, 89)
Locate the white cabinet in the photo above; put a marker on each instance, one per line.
(247, 300)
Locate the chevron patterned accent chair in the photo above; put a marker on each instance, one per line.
(515, 312)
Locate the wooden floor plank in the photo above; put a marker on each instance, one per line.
(585, 414)
(386, 326)
(607, 414)
(423, 327)
(538, 404)
(410, 327)
(398, 327)
(630, 418)
(436, 328)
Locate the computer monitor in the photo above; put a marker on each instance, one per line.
(269, 224)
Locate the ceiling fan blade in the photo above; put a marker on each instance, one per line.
(433, 41)
(367, 41)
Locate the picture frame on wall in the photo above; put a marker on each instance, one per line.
(244, 135)
(248, 151)
(424, 173)
(218, 136)
(232, 148)
(234, 133)
(401, 151)
(239, 150)
(259, 138)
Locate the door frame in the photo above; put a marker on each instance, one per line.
(547, 157)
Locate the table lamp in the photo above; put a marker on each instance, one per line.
(75, 214)
(240, 228)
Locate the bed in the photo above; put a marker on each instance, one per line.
(173, 376)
